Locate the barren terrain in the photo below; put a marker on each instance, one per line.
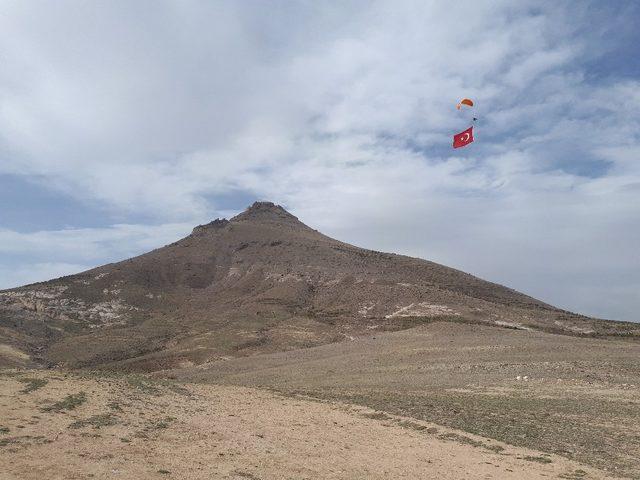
(575, 397)
(59, 425)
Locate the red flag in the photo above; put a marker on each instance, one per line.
(463, 138)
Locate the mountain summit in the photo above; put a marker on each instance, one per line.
(267, 212)
(260, 282)
(259, 212)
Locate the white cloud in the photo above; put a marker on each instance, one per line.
(343, 112)
(36, 272)
(88, 245)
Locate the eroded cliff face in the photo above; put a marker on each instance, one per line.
(50, 304)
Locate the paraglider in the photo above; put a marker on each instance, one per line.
(465, 137)
(465, 101)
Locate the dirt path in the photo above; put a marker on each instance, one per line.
(61, 426)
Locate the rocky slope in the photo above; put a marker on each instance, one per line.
(260, 282)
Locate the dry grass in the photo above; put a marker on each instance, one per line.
(70, 402)
(33, 384)
(581, 400)
(235, 432)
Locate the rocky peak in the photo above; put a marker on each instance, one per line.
(217, 224)
(259, 212)
(266, 212)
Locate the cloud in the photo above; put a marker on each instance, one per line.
(342, 111)
(39, 256)
(36, 272)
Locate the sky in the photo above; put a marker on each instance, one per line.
(124, 124)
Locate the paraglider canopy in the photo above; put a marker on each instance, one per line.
(465, 101)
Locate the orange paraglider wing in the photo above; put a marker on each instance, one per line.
(465, 101)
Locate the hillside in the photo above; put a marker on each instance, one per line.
(261, 282)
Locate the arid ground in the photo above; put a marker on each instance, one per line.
(575, 397)
(441, 400)
(58, 425)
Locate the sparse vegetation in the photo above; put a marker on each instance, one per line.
(24, 439)
(153, 426)
(412, 425)
(4, 430)
(377, 416)
(518, 419)
(180, 390)
(143, 384)
(114, 406)
(96, 421)
(575, 475)
(162, 423)
(70, 402)
(530, 458)
(140, 425)
(469, 441)
(32, 384)
(579, 401)
(248, 475)
(6, 441)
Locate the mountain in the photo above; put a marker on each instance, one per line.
(260, 282)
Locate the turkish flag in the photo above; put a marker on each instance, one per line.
(463, 138)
